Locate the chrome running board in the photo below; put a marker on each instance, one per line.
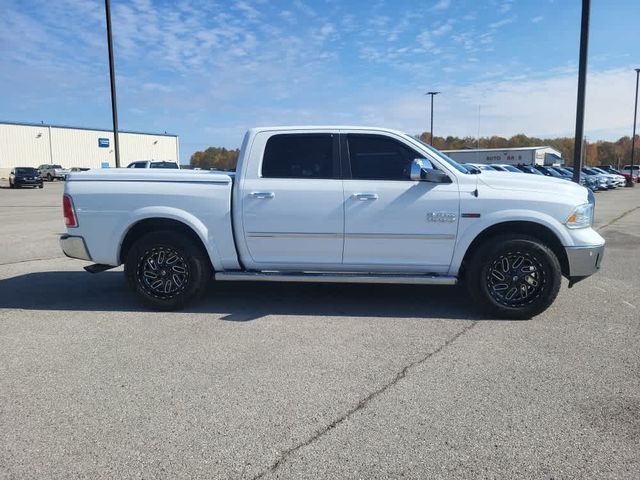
(337, 278)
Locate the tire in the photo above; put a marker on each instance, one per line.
(40, 186)
(49, 177)
(167, 270)
(521, 294)
(11, 185)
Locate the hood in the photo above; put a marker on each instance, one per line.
(531, 183)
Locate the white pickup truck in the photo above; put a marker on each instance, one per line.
(335, 204)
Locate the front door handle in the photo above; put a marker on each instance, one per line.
(263, 194)
(365, 197)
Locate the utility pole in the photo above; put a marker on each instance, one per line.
(112, 76)
(635, 119)
(433, 94)
(582, 87)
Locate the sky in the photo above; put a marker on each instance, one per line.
(208, 70)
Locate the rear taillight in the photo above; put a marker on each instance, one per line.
(69, 212)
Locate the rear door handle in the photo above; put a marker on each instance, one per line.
(365, 197)
(263, 194)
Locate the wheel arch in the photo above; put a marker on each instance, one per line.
(146, 225)
(525, 227)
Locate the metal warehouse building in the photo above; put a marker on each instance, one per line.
(513, 156)
(34, 144)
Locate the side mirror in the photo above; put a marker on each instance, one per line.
(422, 170)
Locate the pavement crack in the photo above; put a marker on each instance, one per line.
(30, 260)
(362, 403)
(619, 217)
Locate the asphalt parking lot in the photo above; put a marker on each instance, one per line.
(311, 381)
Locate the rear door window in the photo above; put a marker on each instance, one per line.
(300, 156)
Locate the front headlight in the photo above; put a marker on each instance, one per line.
(582, 217)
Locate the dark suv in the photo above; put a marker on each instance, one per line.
(24, 177)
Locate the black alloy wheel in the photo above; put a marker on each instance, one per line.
(515, 279)
(162, 272)
(513, 276)
(167, 269)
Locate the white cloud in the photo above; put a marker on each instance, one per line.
(537, 19)
(544, 107)
(442, 30)
(501, 23)
(505, 6)
(424, 40)
(441, 5)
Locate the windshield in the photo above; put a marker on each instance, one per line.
(511, 168)
(530, 169)
(56, 166)
(440, 155)
(552, 172)
(26, 171)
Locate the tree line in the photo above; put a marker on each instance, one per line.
(215, 158)
(601, 152)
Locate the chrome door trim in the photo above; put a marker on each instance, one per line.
(293, 235)
(400, 236)
(361, 236)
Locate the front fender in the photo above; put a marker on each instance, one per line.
(470, 228)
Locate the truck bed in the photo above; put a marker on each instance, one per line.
(109, 202)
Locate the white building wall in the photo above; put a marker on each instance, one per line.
(511, 156)
(30, 146)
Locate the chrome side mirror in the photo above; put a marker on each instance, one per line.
(422, 170)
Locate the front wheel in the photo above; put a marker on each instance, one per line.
(167, 270)
(514, 276)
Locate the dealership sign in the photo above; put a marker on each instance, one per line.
(103, 142)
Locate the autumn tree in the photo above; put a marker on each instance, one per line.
(216, 158)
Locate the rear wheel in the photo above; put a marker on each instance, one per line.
(514, 276)
(167, 270)
(49, 177)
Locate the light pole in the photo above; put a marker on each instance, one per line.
(582, 87)
(635, 117)
(432, 94)
(112, 76)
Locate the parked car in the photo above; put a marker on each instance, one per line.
(78, 169)
(471, 168)
(609, 169)
(52, 172)
(635, 174)
(611, 182)
(335, 204)
(528, 169)
(154, 164)
(599, 181)
(503, 167)
(586, 181)
(481, 166)
(551, 172)
(24, 177)
(625, 174)
(619, 180)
